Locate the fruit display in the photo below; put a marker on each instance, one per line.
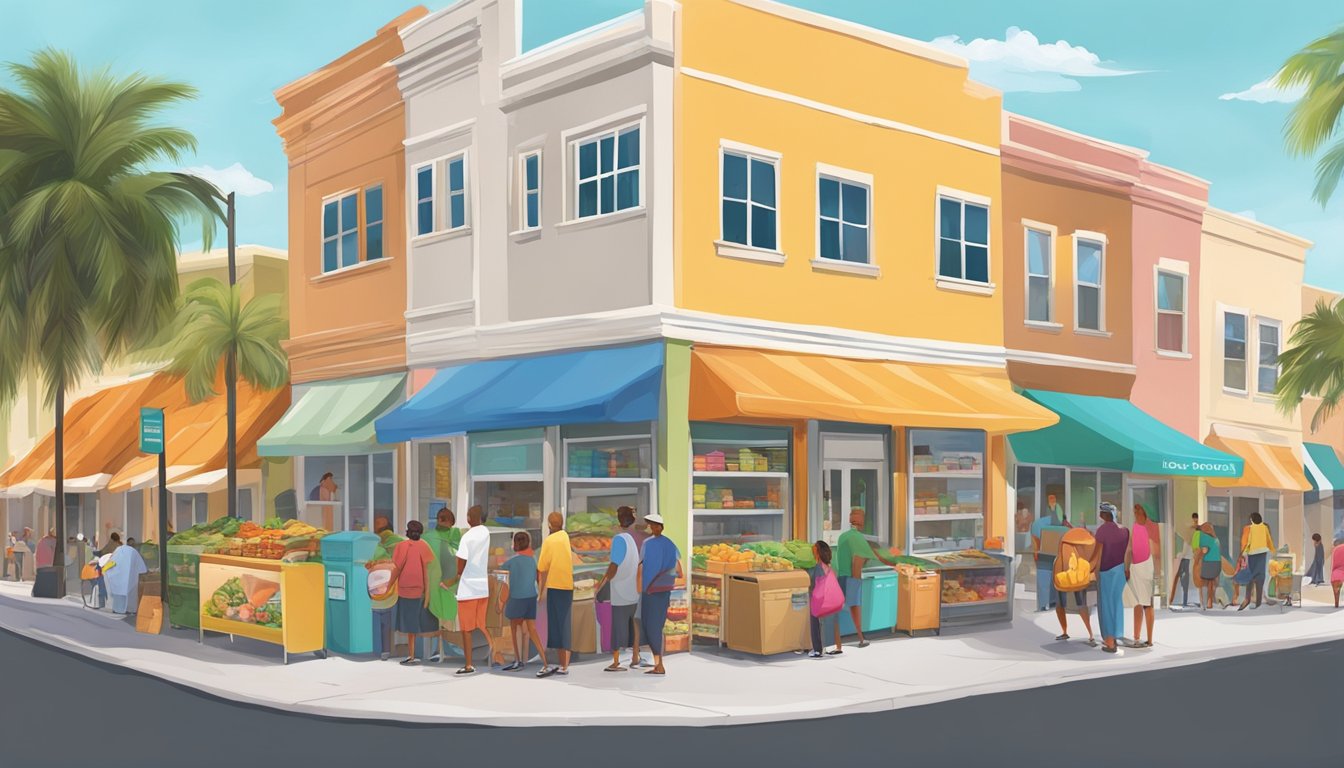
(725, 553)
(676, 628)
(590, 535)
(248, 599)
(276, 540)
(1279, 568)
(707, 594)
(211, 535)
(796, 553)
(1076, 576)
(974, 587)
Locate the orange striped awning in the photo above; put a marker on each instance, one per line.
(729, 383)
(1270, 466)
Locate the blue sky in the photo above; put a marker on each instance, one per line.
(1145, 73)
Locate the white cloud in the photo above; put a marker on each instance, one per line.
(235, 178)
(1021, 62)
(1247, 215)
(1265, 92)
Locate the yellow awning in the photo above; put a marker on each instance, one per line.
(1275, 467)
(729, 383)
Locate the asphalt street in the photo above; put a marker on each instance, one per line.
(59, 709)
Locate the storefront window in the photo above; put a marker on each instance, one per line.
(740, 483)
(1220, 516)
(947, 489)
(1052, 492)
(1083, 498)
(855, 475)
(339, 490)
(188, 509)
(434, 480)
(357, 495)
(384, 487)
(506, 474)
(1113, 489)
(1026, 500)
(511, 504)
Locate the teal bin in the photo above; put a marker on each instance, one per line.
(349, 609)
(879, 603)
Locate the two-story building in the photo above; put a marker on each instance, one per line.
(660, 264)
(1251, 297)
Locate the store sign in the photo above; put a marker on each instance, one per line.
(1210, 468)
(151, 430)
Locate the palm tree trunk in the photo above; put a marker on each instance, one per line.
(58, 558)
(231, 400)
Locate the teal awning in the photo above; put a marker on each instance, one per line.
(334, 418)
(1109, 433)
(1324, 471)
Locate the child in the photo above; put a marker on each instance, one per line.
(518, 602)
(821, 552)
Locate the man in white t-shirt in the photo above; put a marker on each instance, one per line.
(473, 584)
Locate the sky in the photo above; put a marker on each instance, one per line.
(1184, 80)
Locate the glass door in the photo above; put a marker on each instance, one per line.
(847, 486)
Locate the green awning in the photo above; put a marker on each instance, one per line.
(334, 418)
(1109, 433)
(1324, 471)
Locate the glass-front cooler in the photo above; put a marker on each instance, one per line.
(740, 484)
(947, 489)
(977, 586)
(507, 480)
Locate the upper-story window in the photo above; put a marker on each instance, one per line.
(963, 240)
(457, 191)
(1267, 367)
(750, 209)
(1040, 275)
(607, 172)
(1170, 312)
(373, 223)
(424, 199)
(1234, 351)
(340, 230)
(530, 205)
(1089, 299)
(843, 230)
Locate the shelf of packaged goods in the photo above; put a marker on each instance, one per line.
(716, 474)
(243, 629)
(973, 474)
(608, 480)
(752, 511)
(700, 601)
(958, 516)
(714, 635)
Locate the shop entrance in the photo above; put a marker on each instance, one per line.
(1154, 496)
(854, 475)
(1231, 513)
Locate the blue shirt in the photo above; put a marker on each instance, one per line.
(522, 577)
(660, 557)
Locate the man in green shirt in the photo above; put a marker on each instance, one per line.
(443, 540)
(853, 550)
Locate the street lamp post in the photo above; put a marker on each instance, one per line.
(231, 374)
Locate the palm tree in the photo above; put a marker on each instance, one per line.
(1314, 363)
(213, 326)
(88, 232)
(1314, 119)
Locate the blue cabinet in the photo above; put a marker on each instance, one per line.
(879, 602)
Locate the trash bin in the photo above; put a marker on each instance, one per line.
(47, 582)
(879, 602)
(349, 608)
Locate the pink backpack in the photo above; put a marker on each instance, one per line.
(826, 595)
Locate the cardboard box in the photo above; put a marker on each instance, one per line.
(1050, 539)
(583, 629)
(769, 614)
(149, 615)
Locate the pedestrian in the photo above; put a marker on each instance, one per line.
(1145, 548)
(1183, 562)
(1256, 544)
(384, 607)
(23, 547)
(853, 550)
(443, 540)
(518, 602)
(123, 577)
(1084, 544)
(410, 570)
(659, 572)
(824, 616)
(104, 555)
(1337, 570)
(46, 550)
(1208, 561)
(555, 583)
(624, 598)
(473, 585)
(1044, 561)
(1113, 540)
(1316, 571)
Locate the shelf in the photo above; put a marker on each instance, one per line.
(699, 601)
(243, 629)
(609, 480)
(712, 635)
(970, 603)
(973, 474)
(776, 475)
(959, 516)
(753, 511)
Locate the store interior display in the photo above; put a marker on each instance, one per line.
(947, 489)
(760, 556)
(608, 460)
(677, 629)
(740, 484)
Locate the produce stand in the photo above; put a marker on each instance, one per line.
(709, 606)
(267, 600)
(976, 586)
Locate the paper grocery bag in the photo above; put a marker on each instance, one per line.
(149, 616)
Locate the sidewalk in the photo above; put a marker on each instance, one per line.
(702, 688)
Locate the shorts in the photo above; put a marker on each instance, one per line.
(623, 625)
(559, 605)
(471, 614)
(521, 608)
(853, 588)
(1079, 598)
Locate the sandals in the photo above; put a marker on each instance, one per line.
(655, 671)
(1063, 637)
(513, 667)
(410, 663)
(1110, 649)
(547, 671)
(1092, 642)
(864, 644)
(466, 671)
(834, 652)
(614, 668)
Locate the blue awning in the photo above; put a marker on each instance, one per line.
(593, 386)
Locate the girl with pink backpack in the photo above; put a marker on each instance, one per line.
(827, 600)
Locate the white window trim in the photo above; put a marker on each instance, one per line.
(336, 197)
(1223, 312)
(1184, 351)
(747, 253)
(613, 124)
(1099, 239)
(365, 222)
(523, 191)
(846, 267)
(963, 197)
(844, 176)
(765, 156)
(448, 193)
(1052, 231)
(1260, 323)
(432, 165)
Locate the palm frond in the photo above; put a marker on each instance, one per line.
(1313, 364)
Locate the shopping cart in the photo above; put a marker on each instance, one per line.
(1284, 585)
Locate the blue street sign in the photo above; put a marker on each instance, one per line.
(151, 430)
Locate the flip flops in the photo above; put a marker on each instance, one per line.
(410, 663)
(466, 671)
(834, 652)
(613, 668)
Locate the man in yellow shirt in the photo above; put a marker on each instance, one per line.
(555, 582)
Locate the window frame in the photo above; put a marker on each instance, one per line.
(366, 223)
(433, 198)
(750, 153)
(336, 198)
(1158, 273)
(589, 134)
(448, 192)
(963, 198)
(1245, 315)
(1052, 232)
(1093, 238)
(524, 191)
(1260, 324)
(843, 176)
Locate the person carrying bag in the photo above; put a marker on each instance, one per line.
(827, 600)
